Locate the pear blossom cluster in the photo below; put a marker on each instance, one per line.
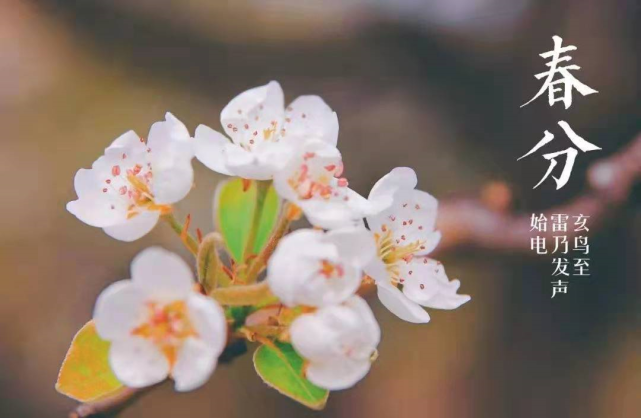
(163, 323)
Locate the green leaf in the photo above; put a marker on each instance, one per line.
(85, 374)
(235, 212)
(282, 368)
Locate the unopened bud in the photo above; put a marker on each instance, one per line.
(208, 261)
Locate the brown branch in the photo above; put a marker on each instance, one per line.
(487, 223)
(109, 406)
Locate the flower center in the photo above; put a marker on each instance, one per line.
(134, 186)
(330, 270)
(392, 253)
(251, 135)
(270, 133)
(167, 326)
(312, 180)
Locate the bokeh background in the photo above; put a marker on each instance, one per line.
(433, 84)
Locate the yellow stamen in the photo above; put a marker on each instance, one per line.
(143, 198)
(139, 185)
(167, 326)
(391, 253)
(269, 132)
(331, 270)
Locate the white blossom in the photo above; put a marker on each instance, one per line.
(339, 343)
(261, 132)
(159, 326)
(133, 183)
(316, 268)
(312, 180)
(406, 278)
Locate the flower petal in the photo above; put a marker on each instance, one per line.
(209, 146)
(237, 156)
(209, 321)
(261, 163)
(86, 183)
(137, 362)
(419, 284)
(355, 245)
(243, 163)
(429, 286)
(377, 270)
(369, 327)
(412, 214)
(427, 207)
(252, 111)
(310, 267)
(357, 332)
(195, 363)
(293, 268)
(397, 303)
(338, 374)
(382, 194)
(448, 299)
(169, 140)
(172, 184)
(134, 228)
(310, 117)
(162, 274)
(431, 242)
(97, 212)
(118, 309)
(126, 157)
(313, 338)
(338, 341)
(331, 213)
(170, 154)
(127, 140)
(274, 154)
(95, 207)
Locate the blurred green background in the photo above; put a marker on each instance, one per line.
(435, 85)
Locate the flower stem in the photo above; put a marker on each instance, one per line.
(262, 187)
(189, 241)
(288, 214)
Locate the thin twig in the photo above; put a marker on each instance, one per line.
(109, 406)
(488, 223)
(189, 241)
(262, 187)
(289, 214)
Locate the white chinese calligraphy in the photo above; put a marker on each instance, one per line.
(559, 287)
(570, 153)
(566, 80)
(568, 254)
